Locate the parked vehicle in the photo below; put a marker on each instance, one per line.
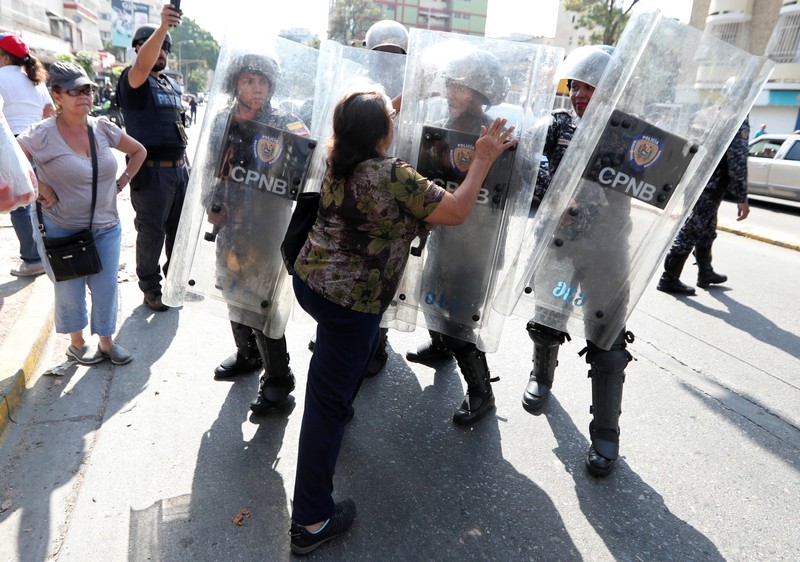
(773, 166)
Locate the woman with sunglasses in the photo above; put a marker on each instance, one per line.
(26, 101)
(60, 148)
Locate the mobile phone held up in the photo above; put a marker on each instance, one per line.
(176, 5)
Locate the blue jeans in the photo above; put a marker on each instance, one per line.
(346, 341)
(70, 296)
(21, 221)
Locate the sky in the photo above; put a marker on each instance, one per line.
(531, 17)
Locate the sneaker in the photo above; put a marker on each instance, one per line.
(304, 541)
(118, 354)
(86, 355)
(153, 302)
(28, 269)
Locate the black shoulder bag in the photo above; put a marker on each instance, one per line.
(74, 256)
(303, 218)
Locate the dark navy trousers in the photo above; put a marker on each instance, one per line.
(346, 341)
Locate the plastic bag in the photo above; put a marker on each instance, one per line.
(18, 186)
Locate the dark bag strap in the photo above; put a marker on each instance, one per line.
(93, 150)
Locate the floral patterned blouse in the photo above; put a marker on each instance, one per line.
(357, 250)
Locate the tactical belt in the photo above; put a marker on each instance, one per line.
(163, 163)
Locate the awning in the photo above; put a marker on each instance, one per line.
(44, 47)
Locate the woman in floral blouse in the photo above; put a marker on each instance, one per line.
(371, 209)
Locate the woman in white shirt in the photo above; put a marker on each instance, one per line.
(25, 101)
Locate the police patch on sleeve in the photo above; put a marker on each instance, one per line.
(639, 160)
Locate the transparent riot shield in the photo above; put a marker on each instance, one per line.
(661, 118)
(453, 85)
(344, 70)
(252, 160)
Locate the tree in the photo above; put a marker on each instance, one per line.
(351, 19)
(606, 18)
(196, 42)
(197, 80)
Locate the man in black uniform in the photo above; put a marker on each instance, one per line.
(154, 116)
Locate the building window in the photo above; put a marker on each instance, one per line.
(784, 46)
(735, 33)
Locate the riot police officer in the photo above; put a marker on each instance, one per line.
(248, 260)
(388, 36)
(582, 69)
(473, 82)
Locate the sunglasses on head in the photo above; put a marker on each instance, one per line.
(85, 91)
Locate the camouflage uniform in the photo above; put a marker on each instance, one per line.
(730, 177)
(561, 130)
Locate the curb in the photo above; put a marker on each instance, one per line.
(791, 243)
(22, 350)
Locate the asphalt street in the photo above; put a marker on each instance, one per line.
(157, 461)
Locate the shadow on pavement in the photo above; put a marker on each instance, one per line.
(427, 489)
(629, 515)
(748, 320)
(234, 479)
(56, 441)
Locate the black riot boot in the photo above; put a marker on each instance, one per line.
(378, 361)
(545, 358)
(431, 351)
(245, 360)
(670, 281)
(277, 381)
(479, 399)
(607, 371)
(706, 275)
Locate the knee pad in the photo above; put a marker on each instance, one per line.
(613, 360)
(544, 335)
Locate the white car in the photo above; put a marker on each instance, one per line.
(773, 166)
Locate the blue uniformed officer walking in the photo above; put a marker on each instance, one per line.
(700, 229)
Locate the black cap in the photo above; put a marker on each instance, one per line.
(68, 76)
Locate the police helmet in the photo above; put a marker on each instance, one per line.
(264, 65)
(144, 32)
(480, 71)
(387, 33)
(586, 64)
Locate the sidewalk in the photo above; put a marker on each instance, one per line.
(26, 314)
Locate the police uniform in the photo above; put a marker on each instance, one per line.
(154, 116)
(607, 367)
(475, 250)
(248, 260)
(700, 229)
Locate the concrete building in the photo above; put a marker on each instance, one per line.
(568, 35)
(50, 27)
(456, 16)
(763, 27)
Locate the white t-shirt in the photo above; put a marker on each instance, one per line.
(70, 174)
(23, 102)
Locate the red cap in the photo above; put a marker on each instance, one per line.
(12, 44)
